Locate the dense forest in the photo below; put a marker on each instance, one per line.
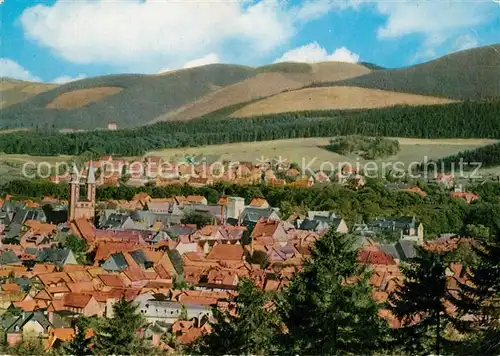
(489, 156)
(366, 147)
(460, 120)
(438, 211)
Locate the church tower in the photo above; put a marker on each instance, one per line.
(82, 209)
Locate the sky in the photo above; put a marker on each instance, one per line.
(60, 41)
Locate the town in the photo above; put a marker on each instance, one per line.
(180, 256)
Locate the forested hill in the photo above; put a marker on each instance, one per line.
(458, 120)
(472, 74)
(128, 99)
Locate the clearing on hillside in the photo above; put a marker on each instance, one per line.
(14, 91)
(312, 150)
(81, 97)
(143, 98)
(271, 80)
(330, 98)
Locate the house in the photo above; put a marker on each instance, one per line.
(56, 256)
(250, 216)
(406, 188)
(26, 325)
(59, 336)
(228, 253)
(211, 235)
(259, 203)
(112, 126)
(467, 196)
(196, 199)
(76, 303)
(402, 250)
(8, 257)
(269, 232)
(158, 309)
(322, 221)
(446, 180)
(404, 226)
(115, 263)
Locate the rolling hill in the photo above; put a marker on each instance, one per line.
(331, 98)
(13, 91)
(128, 99)
(134, 100)
(270, 80)
(472, 74)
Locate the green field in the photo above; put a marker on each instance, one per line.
(11, 166)
(412, 150)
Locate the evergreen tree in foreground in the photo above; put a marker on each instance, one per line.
(419, 302)
(328, 307)
(118, 335)
(479, 302)
(251, 331)
(80, 345)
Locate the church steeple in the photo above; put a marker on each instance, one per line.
(90, 184)
(91, 174)
(82, 209)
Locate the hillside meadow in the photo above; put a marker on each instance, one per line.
(294, 150)
(334, 98)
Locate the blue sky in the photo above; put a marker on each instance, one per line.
(59, 41)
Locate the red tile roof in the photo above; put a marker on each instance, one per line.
(77, 300)
(226, 252)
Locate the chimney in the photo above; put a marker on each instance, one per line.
(239, 217)
(222, 219)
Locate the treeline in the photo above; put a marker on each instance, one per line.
(438, 212)
(459, 120)
(366, 147)
(488, 156)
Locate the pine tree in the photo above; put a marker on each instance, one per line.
(252, 329)
(118, 335)
(420, 302)
(478, 302)
(328, 308)
(80, 345)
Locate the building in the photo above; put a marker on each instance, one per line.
(234, 207)
(112, 126)
(78, 209)
(405, 227)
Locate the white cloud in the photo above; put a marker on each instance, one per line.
(208, 59)
(153, 32)
(314, 9)
(66, 79)
(12, 69)
(313, 52)
(407, 17)
(466, 41)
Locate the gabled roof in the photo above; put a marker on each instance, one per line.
(53, 255)
(118, 259)
(226, 252)
(77, 300)
(16, 324)
(253, 214)
(8, 258)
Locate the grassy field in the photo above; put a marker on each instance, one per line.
(331, 98)
(78, 98)
(11, 166)
(412, 150)
(270, 80)
(15, 91)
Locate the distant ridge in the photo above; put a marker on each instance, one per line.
(472, 74)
